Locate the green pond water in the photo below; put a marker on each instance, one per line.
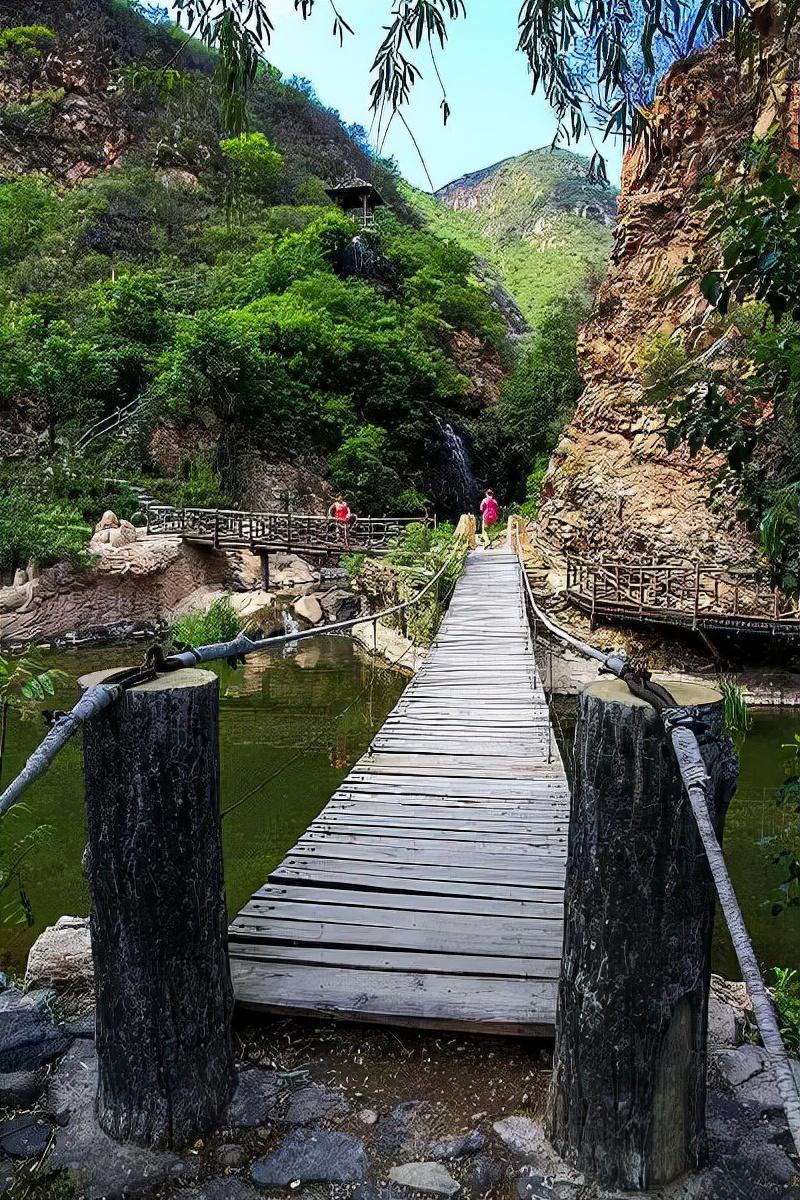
(283, 746)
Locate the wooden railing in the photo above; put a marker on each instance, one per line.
(697, 595)
(262, 531)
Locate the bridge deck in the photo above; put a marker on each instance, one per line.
(429, 891)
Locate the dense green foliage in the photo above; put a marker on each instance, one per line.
(208, 287)
(48, 510)
(218, 623)
(752, 278)
(418, 556)
(786, 992)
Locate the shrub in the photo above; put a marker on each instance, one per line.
(42, 532)
(29, 210)
(219, 623)
(255, 167)
(786, 992)
(22, 50)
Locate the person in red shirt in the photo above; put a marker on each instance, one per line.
(490, 511)
(341, 513)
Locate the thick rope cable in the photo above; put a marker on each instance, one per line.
(98, 697)
(677, 723)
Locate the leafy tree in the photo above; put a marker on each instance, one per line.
(751, 265)
(66, 377)
(364, 469)
(23, 48)
(254, 165)
(136, 307)
(539, 396)
(29, 210)
(42, 531)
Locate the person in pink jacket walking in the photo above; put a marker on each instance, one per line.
(490, 511)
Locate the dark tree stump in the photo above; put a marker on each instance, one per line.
(627, 1100)
(159, 919)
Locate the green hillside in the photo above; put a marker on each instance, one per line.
(538, 221)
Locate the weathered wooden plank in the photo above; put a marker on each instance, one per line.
(541, 943)
(518, 1007)
(318, 900)
(399, 960)
(389, 877)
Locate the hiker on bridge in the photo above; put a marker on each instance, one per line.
(490, 511)
(345, 518)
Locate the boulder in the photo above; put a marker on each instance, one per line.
(27, 1136)
(309, 609)
(487, 1174)
(340, 605)
(430, 1178)
(109, 520)
(21, 1089)
(458, 1147)
(256, 1095)
(100, 1168)
(395, 1131)
(62, 954)
(231, 1155)
(522, 1136)
(312, 1156)
(258, 608)
(28, 1035)
(315, 1103)
(113, 537)
(286, 570)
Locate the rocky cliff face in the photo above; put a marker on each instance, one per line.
(612, 487)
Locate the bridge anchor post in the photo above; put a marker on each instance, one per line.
(159, 921)
(627, 1097)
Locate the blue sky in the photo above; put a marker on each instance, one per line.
(494, 114)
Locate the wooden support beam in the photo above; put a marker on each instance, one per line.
(627, 1103)
(158, 921)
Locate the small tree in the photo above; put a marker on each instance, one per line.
(254, 168)
(23, 49)
(67, 377)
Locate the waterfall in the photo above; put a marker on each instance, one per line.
(290, 625)
(465, 487)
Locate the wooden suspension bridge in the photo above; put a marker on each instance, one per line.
(270, 533)
(430, 890)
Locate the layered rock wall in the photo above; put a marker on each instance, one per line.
(612, 487)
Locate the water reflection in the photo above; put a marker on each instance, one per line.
(286, 743)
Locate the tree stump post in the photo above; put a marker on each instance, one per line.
(159, 918)
(627, 1097)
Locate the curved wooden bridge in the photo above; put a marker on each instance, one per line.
(268, 533)
(702, 596)
(430, 890)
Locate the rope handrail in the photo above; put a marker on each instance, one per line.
(100, 695)
(678, 723)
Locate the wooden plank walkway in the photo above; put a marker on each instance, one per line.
(429, 891)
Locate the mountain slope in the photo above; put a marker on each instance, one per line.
(538, 220)
(264, 345)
